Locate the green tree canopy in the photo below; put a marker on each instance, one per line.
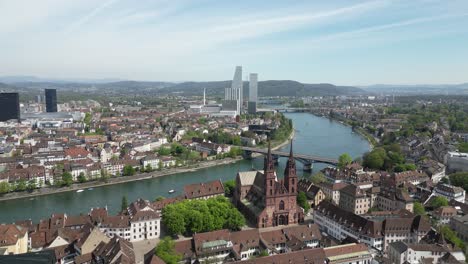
(229, 187)
(318, 177)
(302, 201)
(438, 201)
(4, 187)
(190, 216)
(344, 160)
(67, 179)
(81, 177)
(128, 170)
(165, 250)
(418, 209)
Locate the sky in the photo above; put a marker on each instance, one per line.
(340, 42)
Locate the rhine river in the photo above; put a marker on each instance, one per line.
(314, 135)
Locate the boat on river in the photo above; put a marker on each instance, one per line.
(171, 191)
(79, 191)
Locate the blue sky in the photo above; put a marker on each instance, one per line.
(341, 42)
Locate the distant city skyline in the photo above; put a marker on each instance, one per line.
(340, 42)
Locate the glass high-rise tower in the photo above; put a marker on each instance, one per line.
(51, 100)
(9, 106)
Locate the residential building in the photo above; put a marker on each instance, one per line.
(444, 213)
(204, 190)
(341, 224)
(354, 199)
(152, 161)
(13, 239)
(332, 190)
(450, 192)
(117, 251)
(401, 252)
(460, 225)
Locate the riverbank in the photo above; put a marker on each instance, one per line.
(372, 141)
(118, 179)
(126, 179)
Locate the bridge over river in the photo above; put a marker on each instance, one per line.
(306, 160)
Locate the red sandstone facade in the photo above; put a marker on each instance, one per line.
(264, 199)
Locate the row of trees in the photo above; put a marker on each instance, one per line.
(193, 216)
(21, 185)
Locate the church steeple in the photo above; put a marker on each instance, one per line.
(269, 164)
(290, 176)
(269, 174)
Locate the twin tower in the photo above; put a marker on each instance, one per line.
(235, 94)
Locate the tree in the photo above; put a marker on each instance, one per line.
(148, 168)
(104, 175)
(439, 201)
(4, 187)
(463, 147)
(81, 178)
(229, 187)
(302, 201)
(124, 204)
(190, 216)
(31, 185)
(21, 185)
(235, 220)
(163, 151)
(459, 179)
(318, 177)
(165, 250)
(451, 236)
(374, 160)
(344, 160)
(67, 179)
(418, 209)
(128, 170)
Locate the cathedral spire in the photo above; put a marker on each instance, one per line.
(291, 151)
(269, 163)
(290, 177)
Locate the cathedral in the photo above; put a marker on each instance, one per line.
(264, 199)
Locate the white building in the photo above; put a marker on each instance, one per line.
(400, 252)
(450, 192)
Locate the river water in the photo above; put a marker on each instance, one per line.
(314, 135)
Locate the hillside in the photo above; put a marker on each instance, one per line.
(266, 88)
(140, 88)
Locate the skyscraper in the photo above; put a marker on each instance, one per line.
(253, 93)
(237, 87)
(9, 106)
(51, 100)
(253, 85)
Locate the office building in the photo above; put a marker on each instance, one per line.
(253, 93)
(51, 100)
(9, 106)
(253, 87)
(235, 93)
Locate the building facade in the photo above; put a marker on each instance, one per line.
(51, 100)
(9, 106)
(267, 201)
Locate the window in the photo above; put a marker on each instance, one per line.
(281, 205)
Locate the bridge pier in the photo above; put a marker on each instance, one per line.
(247, 154)
(308, 166)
